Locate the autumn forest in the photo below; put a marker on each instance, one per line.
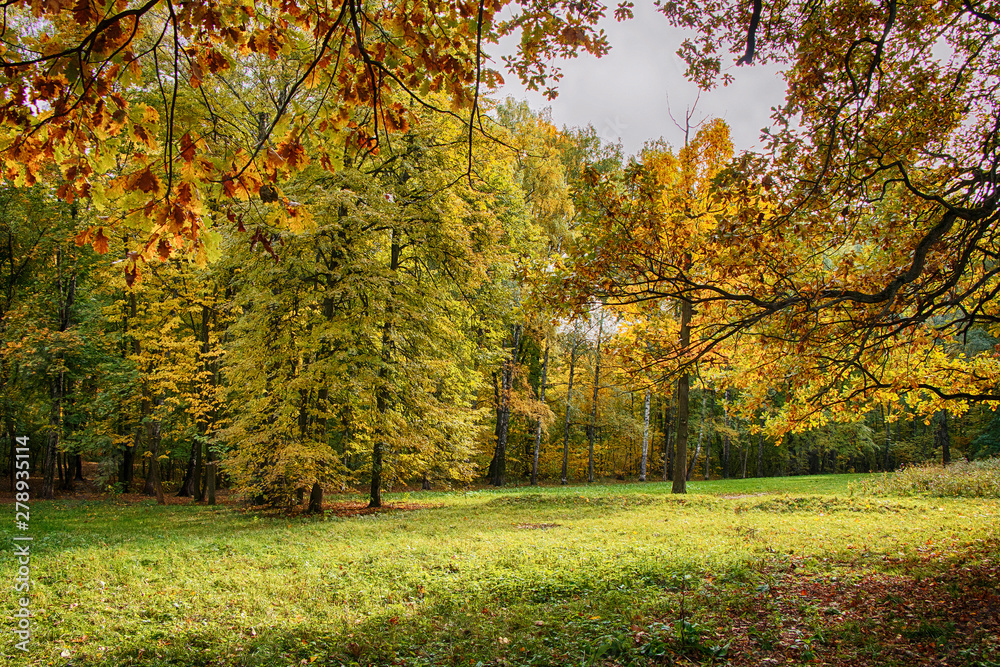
(304, 245)
(317, 349)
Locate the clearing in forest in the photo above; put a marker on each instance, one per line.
(793, 571)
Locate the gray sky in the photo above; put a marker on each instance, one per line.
(625, 94)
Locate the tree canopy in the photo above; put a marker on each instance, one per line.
(166, 115)
(869, 223)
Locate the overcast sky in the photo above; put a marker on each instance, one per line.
(625, 94)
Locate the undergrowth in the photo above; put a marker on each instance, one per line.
(961, 479)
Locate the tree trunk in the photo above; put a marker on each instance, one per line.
(67, 460)
(726, 440)
(190, 482)
(193, 485)
(701, 436)
(569, 405)
(315, 499)
(375, 490)
(668, 459)
(127, 473)
(60, 476)
(200, 471)
(382, 393)
(593, 410)
(66, 287)
(210, 482)
(888, 438)
(153, 486)
(538, 427)
(760, 449)
(154, 480)
(499, 467)
(52, 441)
(683, 389)
(645, 440)
(201, 480)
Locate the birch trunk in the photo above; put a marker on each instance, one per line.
(645, 440)
(569, 406)
(538, 427)
(593, 410)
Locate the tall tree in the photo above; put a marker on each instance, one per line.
(683, 389)
(65, 291)
(503, 384)
(574, 342)
(539, 424)
(659, 212)
(863, 239)
(366, 318)
(592, 425)
(645, 437)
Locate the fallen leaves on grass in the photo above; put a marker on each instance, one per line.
(846, 617)
(349, 509)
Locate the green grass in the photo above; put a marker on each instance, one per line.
(524, 576)
(825, 484)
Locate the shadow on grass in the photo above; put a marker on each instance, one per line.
(564, 631)
(62, 525)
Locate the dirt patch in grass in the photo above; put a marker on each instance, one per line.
(358, 508)
(344, 509)
(825, 504)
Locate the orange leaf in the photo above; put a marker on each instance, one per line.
(292, 152)
(187, 147)
(100, 241)
(131, 275)
(229, 187)
(83, 12)
(178, 215)
(196, 74)
(274, 160)
(146, 181)
(184, 194)
(163, 249)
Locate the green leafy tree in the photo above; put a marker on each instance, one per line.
(353, 349)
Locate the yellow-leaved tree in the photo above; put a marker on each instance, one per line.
(657, 219)
(358, 336)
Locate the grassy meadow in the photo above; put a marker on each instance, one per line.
(806, 570)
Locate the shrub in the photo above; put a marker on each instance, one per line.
(962, 479)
